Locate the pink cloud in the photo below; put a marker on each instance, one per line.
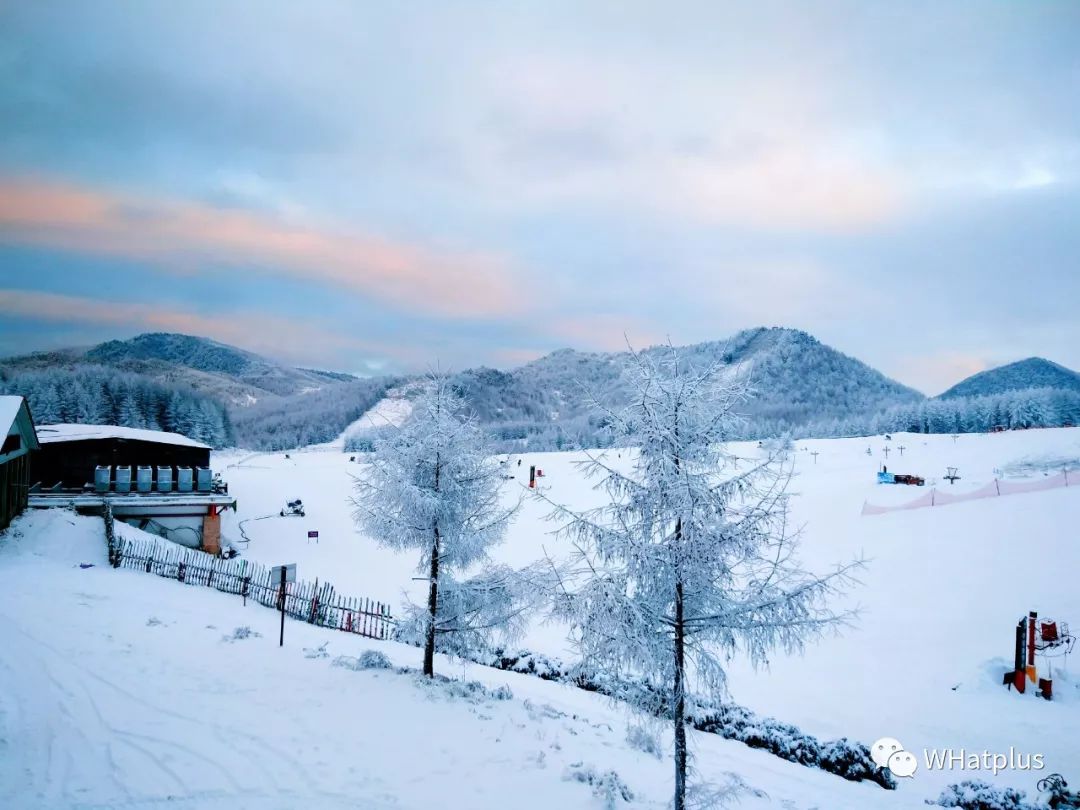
(281, 338)
(178, 236)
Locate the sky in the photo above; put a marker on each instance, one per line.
(377, 187)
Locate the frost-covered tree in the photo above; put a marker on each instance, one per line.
(692, 558)
(433, 486)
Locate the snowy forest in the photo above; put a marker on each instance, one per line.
(309, 418)
(1012, 410)
(96, 395)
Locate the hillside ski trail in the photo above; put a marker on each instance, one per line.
(74, 737)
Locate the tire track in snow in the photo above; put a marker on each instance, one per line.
(91, 741)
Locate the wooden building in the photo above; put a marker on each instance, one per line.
(139, 473)
(71, 453)
(20, 440)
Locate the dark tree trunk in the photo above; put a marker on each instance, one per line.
(433, 586)
(680, 651)
(433, 604)
(680, 691)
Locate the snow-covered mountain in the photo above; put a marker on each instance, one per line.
(233, 376)
(802, 386)
(797, 378)
(1034, 372)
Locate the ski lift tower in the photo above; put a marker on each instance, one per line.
(951, 475)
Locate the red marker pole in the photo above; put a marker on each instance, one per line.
(1032, 616)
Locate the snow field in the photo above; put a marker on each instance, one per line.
(119, 688)
(941, 592)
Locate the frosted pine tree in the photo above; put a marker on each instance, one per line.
(433, 486)
(691, 561)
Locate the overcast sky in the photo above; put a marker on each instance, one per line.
(369, 186)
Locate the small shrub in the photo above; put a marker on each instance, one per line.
(373, 659)
(645, 740)
(606, 786)
(975, 795)
(241, 633)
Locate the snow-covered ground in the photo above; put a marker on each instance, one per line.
(122, 689)
(99, 706)
(387, 412)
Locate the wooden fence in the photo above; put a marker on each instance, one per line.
(316, 603)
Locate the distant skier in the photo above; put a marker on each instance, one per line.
(519, 462)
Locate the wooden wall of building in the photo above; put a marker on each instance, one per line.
(14, 487)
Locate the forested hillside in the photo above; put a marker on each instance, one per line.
(303, 419)
(233, 376)
(1013, 410)
(797, 380)
(1034, 372)
(227, 396)
(96, 395)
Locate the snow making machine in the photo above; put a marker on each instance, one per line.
(293, 508)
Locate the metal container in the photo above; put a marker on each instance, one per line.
(102, 478)
(164, 479)
(144, 479)
(184, 479)
(204, 479)
(123, 479)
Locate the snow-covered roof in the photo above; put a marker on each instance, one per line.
(75, 433)
(9, 410)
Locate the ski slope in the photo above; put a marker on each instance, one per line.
(122, 689)
(942, 589)
(387, 412)
(117, 688)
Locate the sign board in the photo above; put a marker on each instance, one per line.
(275, 574)
(313, 535)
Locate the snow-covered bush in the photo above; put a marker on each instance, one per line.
(976, 795)
(607, 785)
(369, 659)
(471, 691)
(241, 633)
(645, 740)
(845, 758)
(373, 659)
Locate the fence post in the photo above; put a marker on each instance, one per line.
(110, 533)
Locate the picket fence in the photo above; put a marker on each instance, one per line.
(316, 603)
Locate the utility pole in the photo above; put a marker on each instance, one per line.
(886, 451)
(815, 455)
(901, 448)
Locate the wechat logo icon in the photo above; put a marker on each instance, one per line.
(889, 753)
